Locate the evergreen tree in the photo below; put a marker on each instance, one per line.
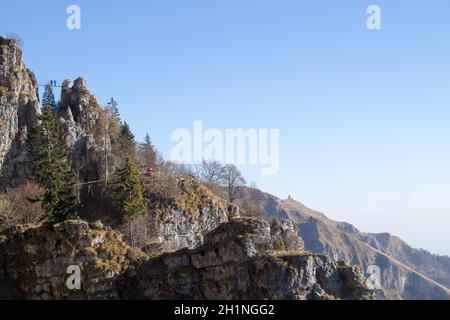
(147, 153)
(52, 168)
(127, 142)
(130, 193)
(113, 126)
(48, 99)
(113, 107)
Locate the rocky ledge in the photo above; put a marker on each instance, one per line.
(238, 260)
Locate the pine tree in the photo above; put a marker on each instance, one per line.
(48, 99)
(147, 153)
(113, 126)
(113, 107)
(52, 168)
(127, 142)
(130, 195)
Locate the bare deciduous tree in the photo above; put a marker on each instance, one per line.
(232, 179)
(135, 231)
(20, 205)
(211, 172)
(5, 211)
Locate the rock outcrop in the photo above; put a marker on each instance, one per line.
(19, 107)
(236, 261)
(87, 139)
(184, 224)
(34, 261)
(79, 112)
(79, 106)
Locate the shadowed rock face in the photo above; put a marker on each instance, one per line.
(18, 112)
(236, 261)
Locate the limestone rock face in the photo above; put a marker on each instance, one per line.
(184, 225)
(236, 261)
(79, 116)
(19, 107)
(34, 261)
(285, 231)
(79, 108)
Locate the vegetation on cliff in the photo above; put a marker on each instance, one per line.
(52, 167)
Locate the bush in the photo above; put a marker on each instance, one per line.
(278, 244)
(5, 209)
(21, 206)
(161, 189)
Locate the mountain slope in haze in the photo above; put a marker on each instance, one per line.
(406, 273)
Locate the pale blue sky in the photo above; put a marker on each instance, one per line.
(364, 115)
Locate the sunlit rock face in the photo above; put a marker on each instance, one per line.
(34, 261)
(19, 107)
(237, 260)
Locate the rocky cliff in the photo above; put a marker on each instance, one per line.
(34, 261)
(18, 112)
(184, 223)
(236, 261)
(19, 107)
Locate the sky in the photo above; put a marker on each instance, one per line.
(363, 114)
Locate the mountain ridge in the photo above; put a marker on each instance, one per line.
(343, 241)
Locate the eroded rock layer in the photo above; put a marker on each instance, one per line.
(236, 261)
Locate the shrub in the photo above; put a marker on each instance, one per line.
(21, 205)
(161, 189)
(278, 244)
